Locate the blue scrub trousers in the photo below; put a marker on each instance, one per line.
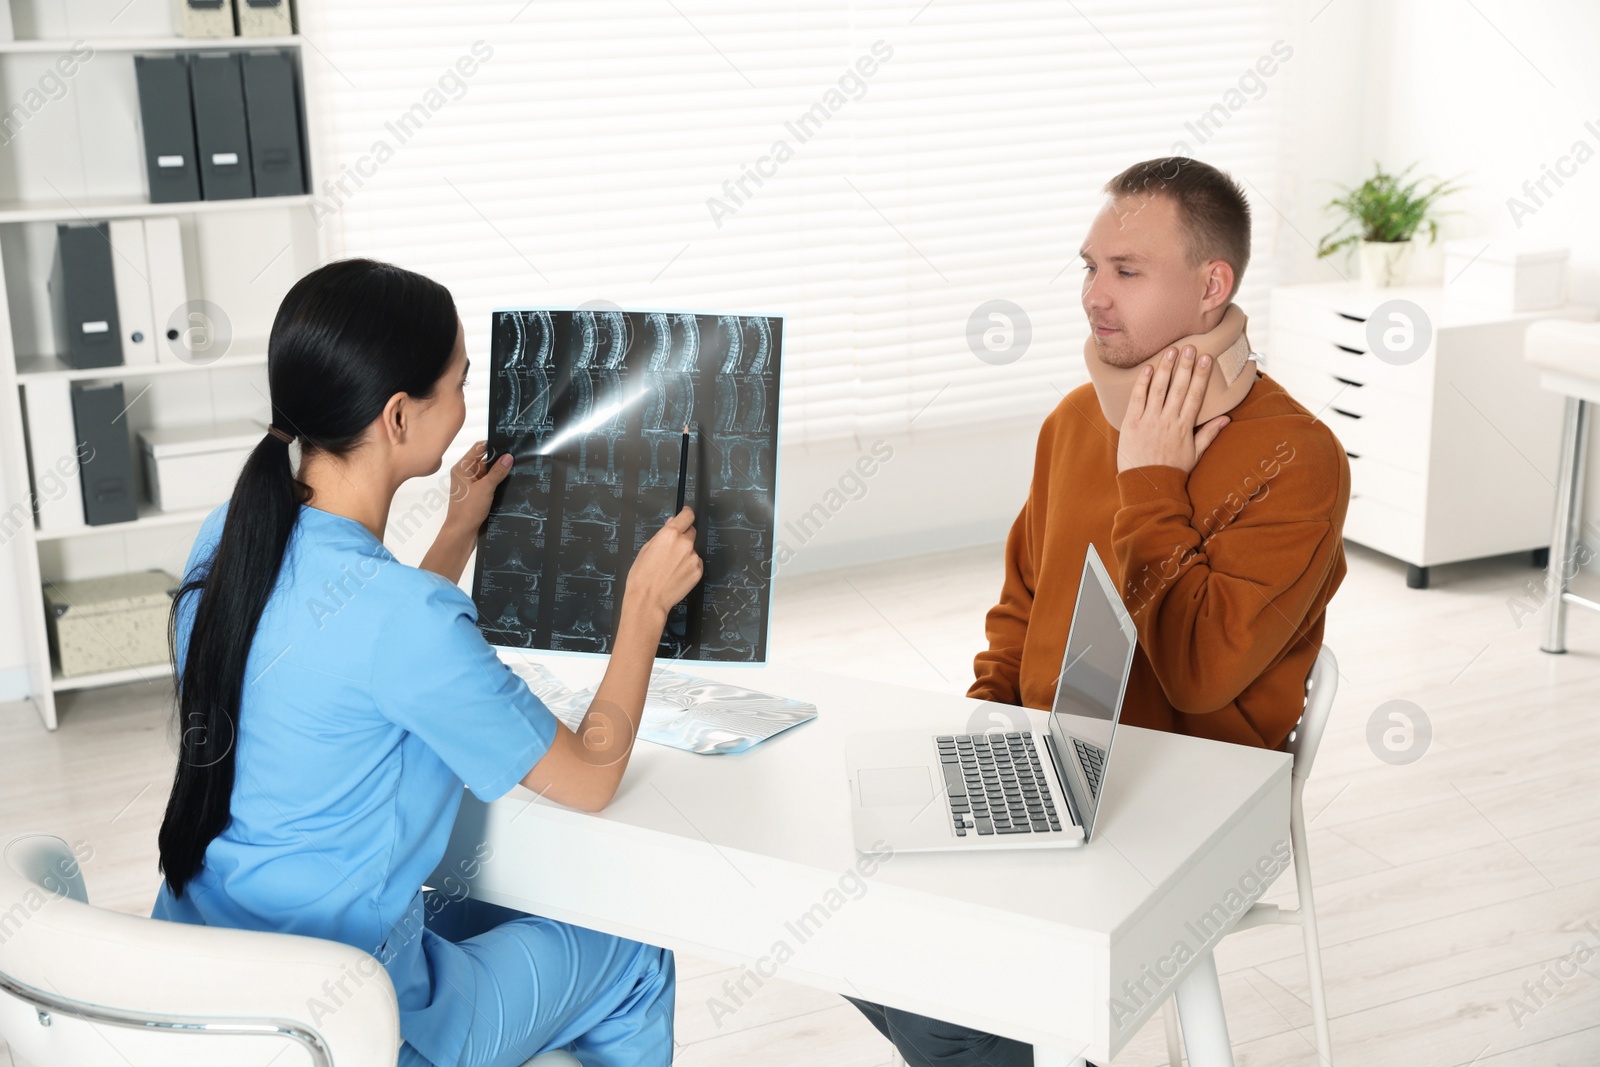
(541, 985)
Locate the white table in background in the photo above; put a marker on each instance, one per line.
(1071, 950)
(1567, 355)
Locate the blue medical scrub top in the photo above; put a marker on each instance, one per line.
(370, 697)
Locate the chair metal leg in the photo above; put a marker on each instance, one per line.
(1205, 1024)
(1569, 521)
(1308, 926)
(1169, 1019)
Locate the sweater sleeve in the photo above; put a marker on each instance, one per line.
(1214, 612)
(997, 669)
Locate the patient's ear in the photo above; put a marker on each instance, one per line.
(1219, 285)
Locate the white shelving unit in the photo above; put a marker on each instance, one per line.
(80, 157)
(39, 368)
(99, 208)
(141, 44)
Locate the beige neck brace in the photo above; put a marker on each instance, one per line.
(1232, 373)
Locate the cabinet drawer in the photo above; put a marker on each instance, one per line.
(1391, 530)
(1376, 480)
(1320, 353)
(1369, 420)
(1313, 387)
(1349, 359)
(1385, 437)
(1339, 325)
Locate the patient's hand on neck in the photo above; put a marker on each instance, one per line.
(1229, 381)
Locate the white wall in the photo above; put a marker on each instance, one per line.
(1497, 93)
(1390, 81)
(848, 502)
(952, 490)
(1427, 80)
(934, 492)
(1334, 112)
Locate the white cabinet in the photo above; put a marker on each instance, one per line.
(1452, 444)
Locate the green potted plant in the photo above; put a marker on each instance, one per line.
(1381, 216)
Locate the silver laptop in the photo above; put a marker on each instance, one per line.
(922, 792)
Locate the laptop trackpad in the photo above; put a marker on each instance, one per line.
(881, 786)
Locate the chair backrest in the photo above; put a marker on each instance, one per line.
(85, 987)
(1321, 685)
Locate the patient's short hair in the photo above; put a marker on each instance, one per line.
(1210, 203)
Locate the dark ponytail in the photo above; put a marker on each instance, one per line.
(347, 337)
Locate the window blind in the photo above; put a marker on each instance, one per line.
(875, 172)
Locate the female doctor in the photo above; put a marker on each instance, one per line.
(332, 702)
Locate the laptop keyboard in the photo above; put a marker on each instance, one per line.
(996, 785)
(1092, 758)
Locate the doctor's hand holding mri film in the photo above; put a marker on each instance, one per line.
(332, 701)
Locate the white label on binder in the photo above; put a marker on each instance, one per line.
(223, 159)
(96, 327)
(169, 161)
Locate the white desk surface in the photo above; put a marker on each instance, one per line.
(1568, 357)
(721, 856)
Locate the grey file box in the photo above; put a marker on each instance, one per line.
(83, 297)
(105, 466)
(219, 126)
(264, 18)
(205, 18)
(165, 115)
(110, 623)
(273, 108)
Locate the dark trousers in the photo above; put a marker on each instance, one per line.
(925, 1042)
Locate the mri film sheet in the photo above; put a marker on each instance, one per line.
(592, 403)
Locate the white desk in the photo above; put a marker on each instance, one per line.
(722, 856)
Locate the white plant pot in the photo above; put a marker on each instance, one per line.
(1385, 263)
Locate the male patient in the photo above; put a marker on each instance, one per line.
(1214, 498)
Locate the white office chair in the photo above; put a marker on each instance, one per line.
(84, 987)
(1321, 685)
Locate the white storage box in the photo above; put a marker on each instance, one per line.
(195, 466)
(1504, 278)
(111, 623)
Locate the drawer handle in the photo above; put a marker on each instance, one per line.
(1352, 351)
(1347, 381)
(1346, 414)
(1350, 318)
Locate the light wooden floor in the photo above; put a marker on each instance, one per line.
(1443, 886)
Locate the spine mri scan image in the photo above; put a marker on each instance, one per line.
(592, 403)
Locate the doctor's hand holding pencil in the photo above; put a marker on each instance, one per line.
(583, 768)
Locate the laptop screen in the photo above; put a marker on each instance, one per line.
(1094, 676)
